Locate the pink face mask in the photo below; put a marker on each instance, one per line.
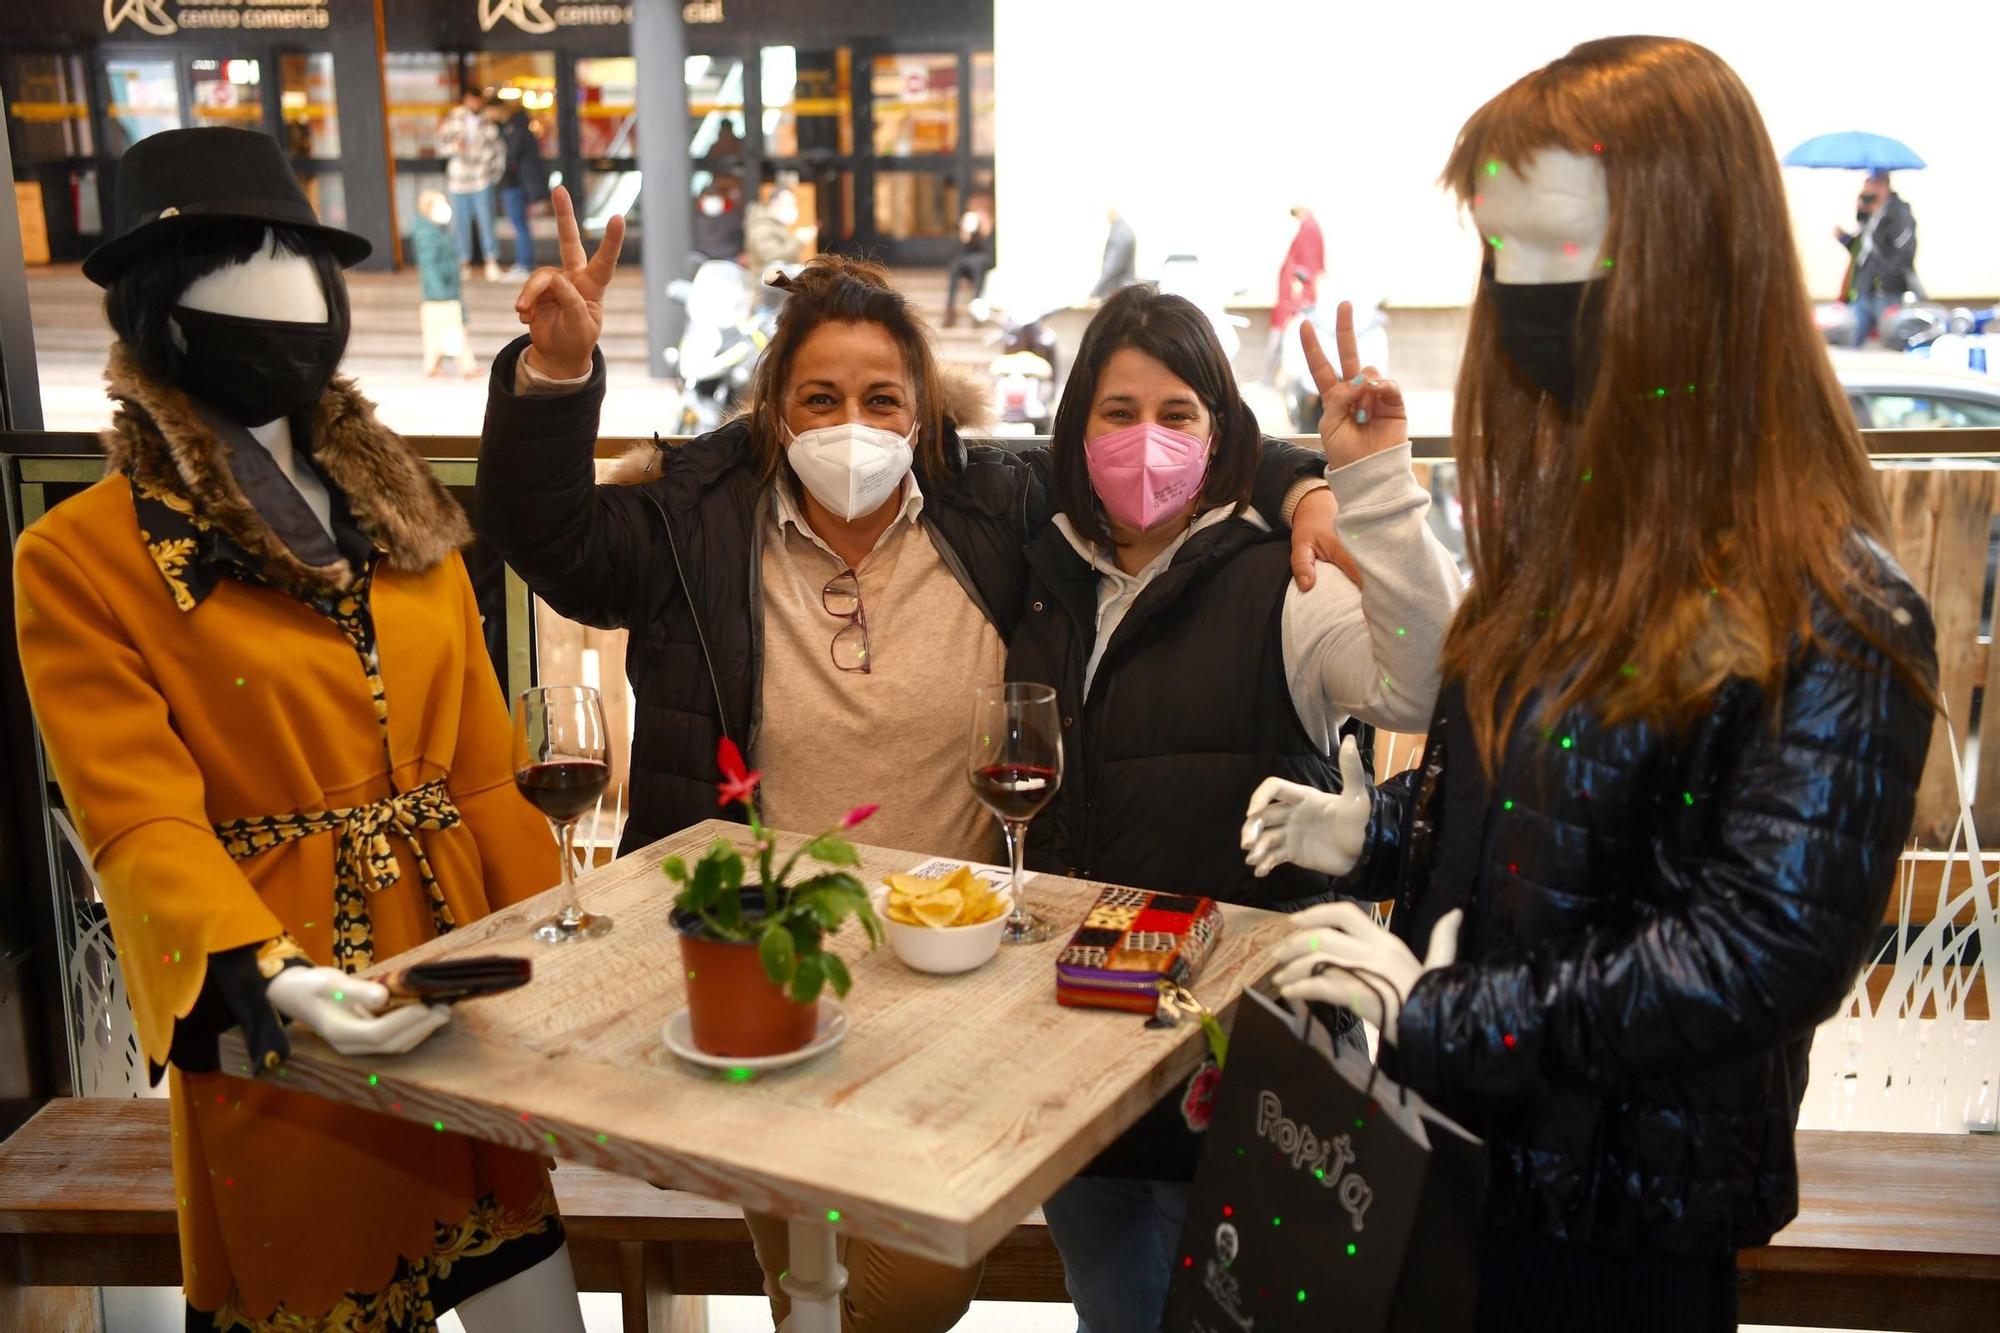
(1145, 473)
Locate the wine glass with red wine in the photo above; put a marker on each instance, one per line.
(1016, 767)
(562, 767)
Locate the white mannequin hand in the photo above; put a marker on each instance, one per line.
(1306, 826)
(342, 1009)
(1345, 935)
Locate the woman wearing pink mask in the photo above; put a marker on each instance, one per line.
(1188, 667)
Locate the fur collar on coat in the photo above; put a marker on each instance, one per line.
(158, 435)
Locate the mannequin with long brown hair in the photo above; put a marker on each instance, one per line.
(1686, 707)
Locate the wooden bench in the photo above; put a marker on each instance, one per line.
(87, 1200)
(1895, 1231)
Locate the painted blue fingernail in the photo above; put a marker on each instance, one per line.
(1357, 379)
(1360, 416)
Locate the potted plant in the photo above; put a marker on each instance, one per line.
(754, 945)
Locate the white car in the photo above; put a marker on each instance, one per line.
(1896, 391)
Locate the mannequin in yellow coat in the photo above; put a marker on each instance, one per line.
(258, 666)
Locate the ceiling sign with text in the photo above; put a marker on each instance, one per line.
(542, 16)
(164, 18)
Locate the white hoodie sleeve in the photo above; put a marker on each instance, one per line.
(1373, 651)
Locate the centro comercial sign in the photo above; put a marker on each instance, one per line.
(162, 19)
(540, 16)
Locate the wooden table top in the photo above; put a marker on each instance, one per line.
(954, 1106)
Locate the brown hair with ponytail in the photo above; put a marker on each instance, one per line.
(833, 289)
(1675, 530)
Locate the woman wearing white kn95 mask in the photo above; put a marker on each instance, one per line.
(1685, 708)
(824, 581)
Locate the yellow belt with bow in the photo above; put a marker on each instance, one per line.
(364, 859)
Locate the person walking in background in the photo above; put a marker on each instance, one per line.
(975, 256)
(1121, 250)
(441, 317)
(1882, 254)
(523, 181)
(1298, 276)
(718, 222)
(474, 157)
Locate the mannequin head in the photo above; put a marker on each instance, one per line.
(1665, 527)
(246, 270)
(1545, 220)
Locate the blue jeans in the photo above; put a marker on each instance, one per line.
(1867, 310)
(515, 200)
(475, 206)
(1117, 1240)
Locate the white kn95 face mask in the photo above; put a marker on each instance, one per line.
(851, 468)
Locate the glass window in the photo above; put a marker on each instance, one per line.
(607, 106)
(715, 111)
(816, 204)
(916, 104)
(982, 104)
(525, 77)
(1901, 411)
(421, 91)
(226, 92)
(808, 101)
(305, 96)
(606, 193)
(143, 98)
(327, 193)
(915, 204)
(51, 108)
(411, 186)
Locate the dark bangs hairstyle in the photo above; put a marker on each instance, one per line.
(141, 299)
(1172, 331)
(833, 289)
(1675, 529)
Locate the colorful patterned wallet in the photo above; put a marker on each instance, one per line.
(1131, 941)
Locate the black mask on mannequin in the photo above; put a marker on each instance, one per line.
(257, 370)
(1549, 331)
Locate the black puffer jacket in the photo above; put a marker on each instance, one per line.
(675, 559)
(1655, 926)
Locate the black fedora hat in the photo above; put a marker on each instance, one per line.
(184, 178)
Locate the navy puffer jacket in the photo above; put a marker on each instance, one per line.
(1656, 923)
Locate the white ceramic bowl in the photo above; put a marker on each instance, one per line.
(944, 949)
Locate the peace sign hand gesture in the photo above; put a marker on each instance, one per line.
(1361, 413)
(564, 307)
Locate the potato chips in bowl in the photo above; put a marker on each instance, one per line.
(950, 923)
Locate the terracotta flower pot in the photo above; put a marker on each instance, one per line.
(733, 1007)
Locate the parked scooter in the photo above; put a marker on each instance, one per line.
(728, 326)
(1024, 370)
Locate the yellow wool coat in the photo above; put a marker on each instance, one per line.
(167, 714)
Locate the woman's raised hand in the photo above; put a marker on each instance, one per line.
(563, 307)
(1361, 413)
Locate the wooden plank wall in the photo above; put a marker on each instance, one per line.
(1941, 524)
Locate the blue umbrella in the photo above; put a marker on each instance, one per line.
(1853, 150)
